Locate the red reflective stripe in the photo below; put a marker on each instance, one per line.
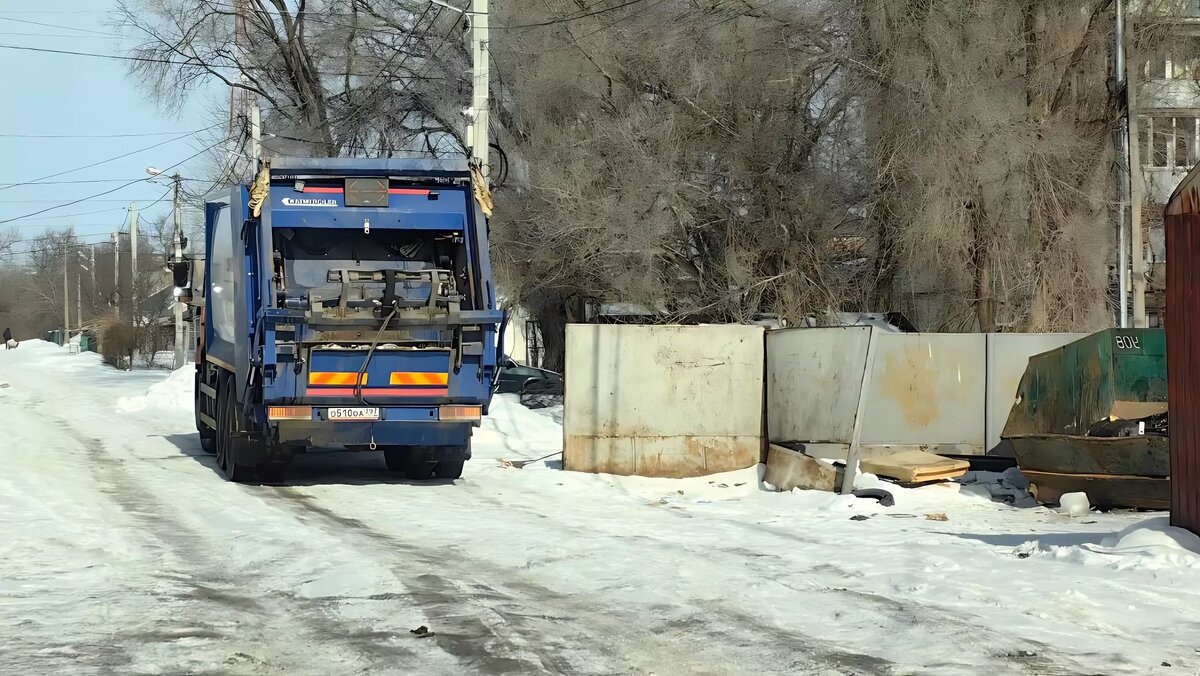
(378, 392)
(392, 191)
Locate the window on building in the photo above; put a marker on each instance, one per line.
(1169, 142)
(1157, 66)
(1183, 68)
(1161, 136)
(1185, 142)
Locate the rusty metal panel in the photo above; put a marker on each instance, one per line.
(814, 377)
(1182, 225)
(927, 389)
(665, 401)
(1007, 358)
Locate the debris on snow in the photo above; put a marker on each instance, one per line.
(937, 516)
(885, 498)
(1075, 504)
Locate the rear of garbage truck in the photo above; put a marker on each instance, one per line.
(346, 303)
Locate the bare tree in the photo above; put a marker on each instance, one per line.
(990, 127)
(697, 159)
(344, 77)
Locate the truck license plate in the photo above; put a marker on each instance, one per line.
(352, 414)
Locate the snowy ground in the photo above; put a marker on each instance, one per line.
(124, 552)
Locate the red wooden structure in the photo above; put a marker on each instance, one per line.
(1182, 223)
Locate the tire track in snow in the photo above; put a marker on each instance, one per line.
(1028, 656)
(606, 639)
(484, 646)
(226, 609)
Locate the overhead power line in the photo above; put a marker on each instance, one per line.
(110, 159)
(53, 25)
(110, 191)
(190, 62)
(573, 17)
(91, 136)
(80, 182)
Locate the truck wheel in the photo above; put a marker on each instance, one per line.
(448, 469)
(273, 472)
(231, 448)
(414, 462)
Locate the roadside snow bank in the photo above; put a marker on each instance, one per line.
(38, 353)
(1153, 544)
(177, 391)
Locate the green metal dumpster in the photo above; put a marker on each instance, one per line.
(1117, 374)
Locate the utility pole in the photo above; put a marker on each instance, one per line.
(243, 104)
(178, 257)
(477, 133)
(1136, 189)
(116, 297)
(255, 133)
(1125, 182)
(66, 296)
(79, 301)
(92, 260)
(133, 247)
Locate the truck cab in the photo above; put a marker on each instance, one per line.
(345, 303)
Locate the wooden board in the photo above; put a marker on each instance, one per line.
(1103, 490)
(916, 467)
(788, 469)
(1147, 456)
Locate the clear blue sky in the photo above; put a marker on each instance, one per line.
(45, 94)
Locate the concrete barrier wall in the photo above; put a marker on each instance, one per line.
(665, 401)
(927, 390)
(814, 377)
(948, 393)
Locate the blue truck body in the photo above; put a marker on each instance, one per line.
(357, 310)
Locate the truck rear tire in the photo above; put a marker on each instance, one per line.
(448, 469)
(273, 472)
(232, 448)
(414, 462)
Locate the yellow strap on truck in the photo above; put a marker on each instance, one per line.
(260, 189)
(483, 194)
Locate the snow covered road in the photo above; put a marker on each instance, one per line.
(123, 551)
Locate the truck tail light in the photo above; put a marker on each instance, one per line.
(460, 413)
(289, 412)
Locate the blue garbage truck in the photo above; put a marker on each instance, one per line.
(345, 303)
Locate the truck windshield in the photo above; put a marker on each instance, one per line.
(312, 260)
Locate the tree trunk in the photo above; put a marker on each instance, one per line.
(985, 299)
(552, 322)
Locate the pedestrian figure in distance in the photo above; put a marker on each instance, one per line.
(9, 343)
